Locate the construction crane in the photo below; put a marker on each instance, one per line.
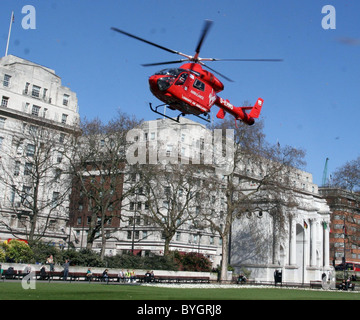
(324, 178)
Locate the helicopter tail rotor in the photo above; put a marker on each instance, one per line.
(256, 109)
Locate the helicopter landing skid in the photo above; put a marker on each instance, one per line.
(163, 114)
(173, 119)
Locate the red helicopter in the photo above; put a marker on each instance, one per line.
(192, 90)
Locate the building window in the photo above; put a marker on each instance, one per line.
(4, 101)
(25, 196)
(66, 99)
(26, 90)
(59, 157)
(35, 110)
(132, 206)
(12, 195)
(28, 168)
(212, 241)
(17, 168)
(2, 122)
(35, 91)
(62, 137)
(30, 150)
(55, 199)
(6, 82)
(64, 118)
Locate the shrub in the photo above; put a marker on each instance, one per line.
(42, 251)
(2, 255)
(83, 257)
(192, 261)
(19, 251)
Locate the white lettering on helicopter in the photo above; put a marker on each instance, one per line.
(194, 103)
(212, 97)
(226, 103)
(197, 94)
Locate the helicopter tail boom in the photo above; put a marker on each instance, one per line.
(239, 112)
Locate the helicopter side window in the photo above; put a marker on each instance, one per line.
(181, 79)
(199, 85)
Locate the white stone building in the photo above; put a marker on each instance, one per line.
(37, 115)
(300, 252)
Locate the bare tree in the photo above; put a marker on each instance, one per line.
(348, 176)
(174, 194)
(260, 178)
(36, 173)
(99, 168)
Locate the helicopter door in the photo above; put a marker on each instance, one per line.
(197, 93)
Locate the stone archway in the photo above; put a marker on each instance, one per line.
(300, 254)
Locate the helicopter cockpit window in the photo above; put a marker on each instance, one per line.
(199, 85)
(170, 72)
(181, 80)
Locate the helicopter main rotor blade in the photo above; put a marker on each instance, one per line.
(246, 60)
(206, 28)
(149, 42)
(161, 63)
(220, 74)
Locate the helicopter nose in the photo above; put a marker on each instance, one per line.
(153, 82)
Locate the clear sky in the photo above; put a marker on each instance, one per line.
(311, 99)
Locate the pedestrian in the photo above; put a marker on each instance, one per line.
(50, 262)
(105, 275)
(89, 274)
(152, 276)
(127, 276)
(66, 267)
(133, 276)
(121, 276)
(147, 276)
(43, 273)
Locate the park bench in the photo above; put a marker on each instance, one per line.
(314, 284)
(175, 279)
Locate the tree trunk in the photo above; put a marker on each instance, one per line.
(224, 260)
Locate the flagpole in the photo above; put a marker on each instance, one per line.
(8, 39)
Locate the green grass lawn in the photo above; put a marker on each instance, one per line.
(12, 290)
